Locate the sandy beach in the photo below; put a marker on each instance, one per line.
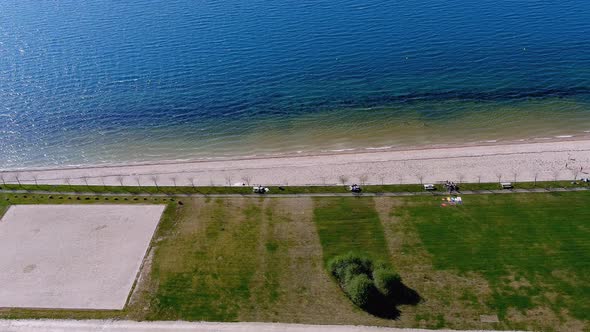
(562, 160)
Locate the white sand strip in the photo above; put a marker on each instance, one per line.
(523, 162)
(129, 326)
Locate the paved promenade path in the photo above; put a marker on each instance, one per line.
(130, 326)
(386, 194)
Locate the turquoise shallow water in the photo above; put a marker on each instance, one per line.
(109, 82)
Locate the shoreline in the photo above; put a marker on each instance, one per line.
(556, 160)
(310, 154)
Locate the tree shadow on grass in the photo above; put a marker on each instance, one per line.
(407, 296)
(386, 307)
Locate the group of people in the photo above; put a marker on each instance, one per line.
(355, 188)
(260, 189)
(451, 186)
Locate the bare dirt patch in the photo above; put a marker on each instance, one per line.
(489, 318)
(542, 318)
(517, 283)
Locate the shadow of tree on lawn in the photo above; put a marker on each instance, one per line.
(386, 307)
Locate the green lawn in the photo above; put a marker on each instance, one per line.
(532, 249)
(204, 271)
(522, 257)
(348, 224)
(244, 259)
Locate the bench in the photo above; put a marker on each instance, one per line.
(429, 187)
(506, 185)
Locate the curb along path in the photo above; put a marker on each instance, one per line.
(172, 326)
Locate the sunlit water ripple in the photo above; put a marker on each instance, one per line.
(90, 82)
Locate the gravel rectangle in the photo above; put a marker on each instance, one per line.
(73, 256)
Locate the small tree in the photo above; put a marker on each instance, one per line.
(192, 181)
(228, 179)
(363, 179)
(138, 180)
(154, 179)
(16, 177)
(3, 180)
(173, 179)
(514, 175)
(479, 179)
(343, 179)
(420, 177)
(68, 182)
(85, 179)
(382, 179)
(400, 178)
(535, 176)
(499, 176)
(35, 179)
(120, 179)
(246, 178)
(575, 172)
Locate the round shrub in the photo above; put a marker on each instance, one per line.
(387, 281)
(338, 265)
(361, 290)
(352, 271)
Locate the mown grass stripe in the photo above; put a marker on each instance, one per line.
(347, 224)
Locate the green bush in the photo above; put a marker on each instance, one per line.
(339, 265)
(361, 290)
(350, 272)
(372, 286)
(387, 281)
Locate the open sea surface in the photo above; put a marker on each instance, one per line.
(102, 82)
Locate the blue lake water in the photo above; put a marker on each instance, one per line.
(90, 82)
